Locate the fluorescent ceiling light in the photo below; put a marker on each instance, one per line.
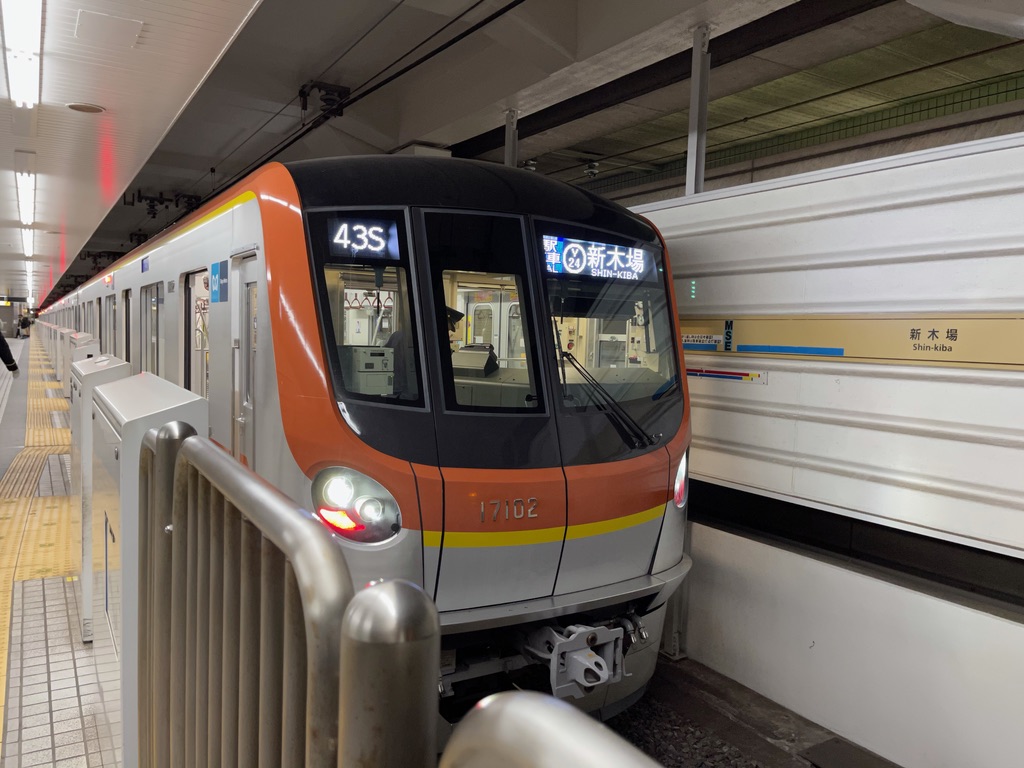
(23, 24)
(28, 242)
(23, 77)
(26, 197)
(23, 31)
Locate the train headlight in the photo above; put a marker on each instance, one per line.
(338, 491)
(682, 488)
(355, 506)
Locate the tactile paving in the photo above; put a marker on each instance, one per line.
(37, 540)
(47, 545)
(22, 476)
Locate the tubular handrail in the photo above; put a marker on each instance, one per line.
(390, 657)
(258, 593)
(524, 729)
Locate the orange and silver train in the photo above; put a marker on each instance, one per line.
(473, 374)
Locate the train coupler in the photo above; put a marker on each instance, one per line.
(579, 657)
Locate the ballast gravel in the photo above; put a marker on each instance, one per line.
(674, 741)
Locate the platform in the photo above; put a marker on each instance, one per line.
(50, 678)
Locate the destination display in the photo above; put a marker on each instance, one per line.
(360, 237)
(585, 258)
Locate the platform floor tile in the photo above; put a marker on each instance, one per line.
(54, 711)
(56, 476)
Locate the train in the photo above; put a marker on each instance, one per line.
(474, 376)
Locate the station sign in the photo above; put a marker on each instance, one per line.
(566, 257)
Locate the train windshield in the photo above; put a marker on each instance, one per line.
(479, 279)
(368, 291)
(611, 325)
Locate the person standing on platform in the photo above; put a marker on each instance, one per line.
(7, 357)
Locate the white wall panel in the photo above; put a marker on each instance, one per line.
(932, 448)
(935, 230)
(922, 681)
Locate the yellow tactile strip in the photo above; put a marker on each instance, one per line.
(36, 533)
(39, 429)
(22, 477)
(47, 547)
(58, 439)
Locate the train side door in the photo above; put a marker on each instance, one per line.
(244, 438)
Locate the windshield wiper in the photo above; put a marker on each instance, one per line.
(628, 428)
(665, 388)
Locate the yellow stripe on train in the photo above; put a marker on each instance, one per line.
(467, 539)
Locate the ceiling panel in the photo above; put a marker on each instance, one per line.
(139, 61)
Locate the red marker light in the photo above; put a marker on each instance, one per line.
(340, 520)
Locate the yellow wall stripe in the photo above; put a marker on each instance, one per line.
(584, 530)
(463, 539)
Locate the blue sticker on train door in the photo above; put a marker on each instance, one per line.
(223, 280)
(214, 283)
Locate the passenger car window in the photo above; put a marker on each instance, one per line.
(478, 274)
(368, 313)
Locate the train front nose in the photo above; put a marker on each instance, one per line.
(503, 536)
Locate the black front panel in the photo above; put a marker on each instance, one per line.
(364, 278)
(444, 316)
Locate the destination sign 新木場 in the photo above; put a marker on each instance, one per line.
(565, 256)
(363, 238)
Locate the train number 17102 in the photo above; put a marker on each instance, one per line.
(509, 509)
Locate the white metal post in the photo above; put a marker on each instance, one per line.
(700, 72)
(511, 138)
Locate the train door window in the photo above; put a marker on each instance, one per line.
(197, 336)
(109, 325)
(245, 383)
(126, 326)
(477, 266)
(482, 331)
(515, 344)
(250, 342)
(149, 327)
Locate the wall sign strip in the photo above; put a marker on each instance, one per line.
(986, 341)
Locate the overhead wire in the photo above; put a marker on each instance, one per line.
(323, 117)
(295, 98)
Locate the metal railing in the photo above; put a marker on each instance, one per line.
(241, 665)
(534, 730)
(263, 656)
